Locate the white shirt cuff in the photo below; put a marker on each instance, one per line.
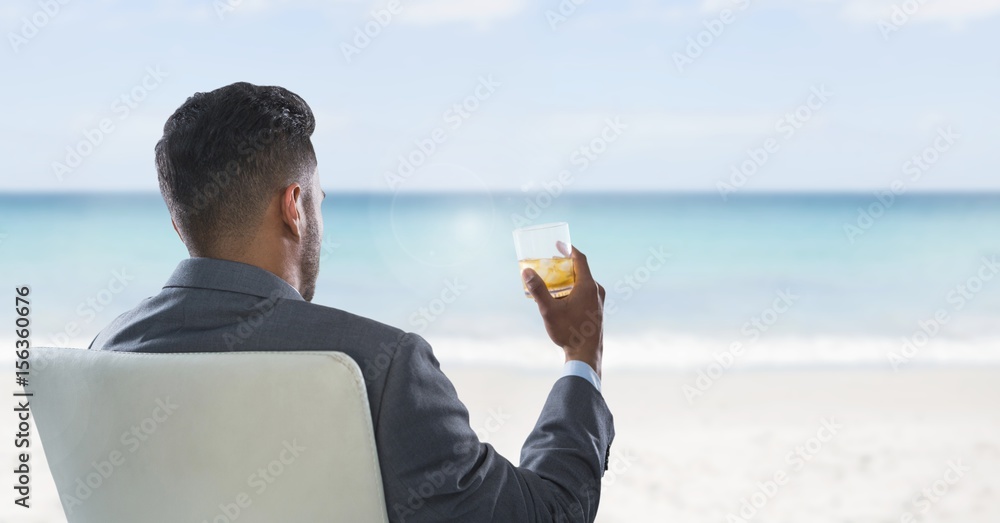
(583, 370)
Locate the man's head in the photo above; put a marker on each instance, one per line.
(237, 171)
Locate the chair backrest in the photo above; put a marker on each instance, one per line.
(207, 437)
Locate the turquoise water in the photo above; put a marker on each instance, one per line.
(388, 256)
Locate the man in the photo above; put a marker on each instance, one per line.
(238, 173)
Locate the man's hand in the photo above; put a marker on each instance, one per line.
(574, 322)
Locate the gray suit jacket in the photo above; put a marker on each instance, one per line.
(434, 467)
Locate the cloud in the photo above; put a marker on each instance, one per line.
(415, 12)
(654, 129)
(954, 12)
(479, 12)
(714, 6)
(634, 13)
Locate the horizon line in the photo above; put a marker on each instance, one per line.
(331, 192)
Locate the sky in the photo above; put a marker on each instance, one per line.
(512, 95)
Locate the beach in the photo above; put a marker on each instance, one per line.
(689, 272)
(893, 435)
(760, 365)
(790, 210)
(852, 445)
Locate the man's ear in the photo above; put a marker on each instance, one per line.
(178, 231)
(291, 213)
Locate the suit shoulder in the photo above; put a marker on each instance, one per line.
(116, 326)
(346, 321)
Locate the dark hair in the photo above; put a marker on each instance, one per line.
(224, 154)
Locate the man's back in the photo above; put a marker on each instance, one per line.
(433, 466)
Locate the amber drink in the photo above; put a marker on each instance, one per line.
(546, 249)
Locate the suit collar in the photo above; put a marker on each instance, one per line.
(225, 275)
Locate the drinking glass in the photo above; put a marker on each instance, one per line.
(546, 249)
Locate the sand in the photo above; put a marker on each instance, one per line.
(844, 446)
(677, 462)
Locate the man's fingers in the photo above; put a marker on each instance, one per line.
(563, 248)
(581, 269)
(537, 289)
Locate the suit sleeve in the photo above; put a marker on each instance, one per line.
(435, 468)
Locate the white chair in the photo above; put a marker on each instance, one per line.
(207, 437)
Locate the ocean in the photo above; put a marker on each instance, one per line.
(790, 279)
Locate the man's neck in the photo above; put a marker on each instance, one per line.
(263, 258)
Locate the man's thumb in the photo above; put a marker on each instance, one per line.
(536, 287)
